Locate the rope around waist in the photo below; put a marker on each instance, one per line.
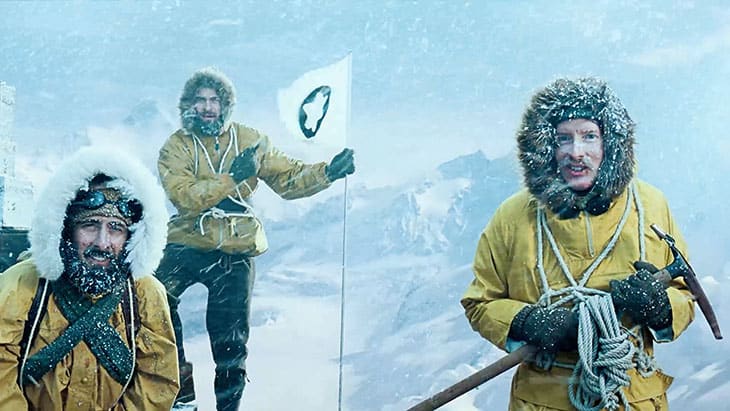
(217, 213)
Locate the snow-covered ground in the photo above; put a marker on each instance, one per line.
(293, 355)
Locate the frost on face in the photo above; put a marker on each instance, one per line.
(567, 99)
(90, 279)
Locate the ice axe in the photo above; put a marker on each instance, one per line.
(678, 268)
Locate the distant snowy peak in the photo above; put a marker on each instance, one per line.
(147, 114)
(407, 228)
(434, 198)
(416, 219)
(444, 209)
(467, 165)
(438, 213)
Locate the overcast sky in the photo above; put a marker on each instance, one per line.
(430, 79)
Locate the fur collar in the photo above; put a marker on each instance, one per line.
(148, 236)
(536, 143)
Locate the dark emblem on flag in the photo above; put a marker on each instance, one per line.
(313, 110)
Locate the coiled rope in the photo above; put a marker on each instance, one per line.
(605, 349)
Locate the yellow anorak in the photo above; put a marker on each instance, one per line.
(506, 280)
(196, 178)
(79, 382)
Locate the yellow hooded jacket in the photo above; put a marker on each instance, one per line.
(79, 382)
(506, 280)
(195, 174)
(195, 185)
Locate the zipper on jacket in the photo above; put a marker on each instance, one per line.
(589, 234)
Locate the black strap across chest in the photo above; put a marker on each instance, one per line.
(89, 323)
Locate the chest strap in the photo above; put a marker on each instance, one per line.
(89, 323)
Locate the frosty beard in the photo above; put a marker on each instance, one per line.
(212, 129)
(91, 279)
(192, 121)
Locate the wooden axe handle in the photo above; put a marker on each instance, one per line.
(480, 377)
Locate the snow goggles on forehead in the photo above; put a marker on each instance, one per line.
(92, 200)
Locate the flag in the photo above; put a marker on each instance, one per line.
(316, 107)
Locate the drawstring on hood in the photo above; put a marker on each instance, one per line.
(566, 99)
(208, 77)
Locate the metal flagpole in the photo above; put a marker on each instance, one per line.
(342, 297)
(344, 247)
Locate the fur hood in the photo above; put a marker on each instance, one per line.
(148, 236)
(580, 98)
(209, 77)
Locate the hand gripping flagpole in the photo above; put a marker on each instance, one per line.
(344, 247)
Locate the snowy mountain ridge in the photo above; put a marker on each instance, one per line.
(409, 262)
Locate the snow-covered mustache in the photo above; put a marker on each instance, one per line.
(585, 161)
(192, 113)
(92, 279)
(96, 252)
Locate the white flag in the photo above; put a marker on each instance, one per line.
(316, 106)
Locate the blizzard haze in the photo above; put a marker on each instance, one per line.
(438, 89)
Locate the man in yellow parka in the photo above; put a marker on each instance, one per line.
(553, 267)
(209, 169)
(83, 323)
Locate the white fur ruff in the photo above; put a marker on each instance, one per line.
(148, 236)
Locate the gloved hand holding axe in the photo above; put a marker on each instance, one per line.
(642, 296)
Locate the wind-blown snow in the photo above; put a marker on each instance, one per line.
(438, 91)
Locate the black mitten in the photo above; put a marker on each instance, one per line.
(548, 329)
(244, 165)
(341, 165)
(643, 298)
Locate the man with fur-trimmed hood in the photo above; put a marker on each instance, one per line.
(83, 323)
(563, 252)
(209, 169)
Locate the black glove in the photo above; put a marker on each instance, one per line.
(548, 329)
(643, 298)
(645, 265)
(245, 164)
(341, 165)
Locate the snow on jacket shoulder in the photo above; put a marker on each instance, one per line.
(79, 382)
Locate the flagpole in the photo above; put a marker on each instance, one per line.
(344, 244)
(342, 297)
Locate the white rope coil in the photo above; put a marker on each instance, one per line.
(604, 346)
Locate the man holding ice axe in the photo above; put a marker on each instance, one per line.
(565, 266)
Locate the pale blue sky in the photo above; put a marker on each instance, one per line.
(433, 79)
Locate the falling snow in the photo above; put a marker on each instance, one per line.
(438, 92)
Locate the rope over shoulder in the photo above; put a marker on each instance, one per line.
(604, 347)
